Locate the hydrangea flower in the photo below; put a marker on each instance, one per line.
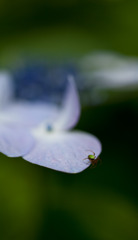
(39, 133)
(57, 148)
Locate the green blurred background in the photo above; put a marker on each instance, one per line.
(99, 204)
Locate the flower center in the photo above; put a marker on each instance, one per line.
(49, 128)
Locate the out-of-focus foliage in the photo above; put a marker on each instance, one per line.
(67, 29)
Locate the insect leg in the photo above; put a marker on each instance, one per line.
(91, 151)
(93, 165)
(99, 160)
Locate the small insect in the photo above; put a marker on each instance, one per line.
(93, 159)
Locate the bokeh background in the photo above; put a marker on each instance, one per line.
(98, 204)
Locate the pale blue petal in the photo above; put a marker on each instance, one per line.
(29, 114)
(70, 111)
(6, 89)
(63, 151)
(15, 142)
(32, 114)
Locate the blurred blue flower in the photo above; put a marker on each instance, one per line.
(6, 88)
(36, 80)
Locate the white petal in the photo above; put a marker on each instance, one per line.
(110, 70)
(70, 111)
(119, 77)
(64, 151)
(29, 114)
(6, 88)
(15, 142)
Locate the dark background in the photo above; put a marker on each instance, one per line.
(39, 203)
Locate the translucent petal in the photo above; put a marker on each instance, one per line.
(6, 88)
(63, 151)
(15, 142)
(70, 111)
